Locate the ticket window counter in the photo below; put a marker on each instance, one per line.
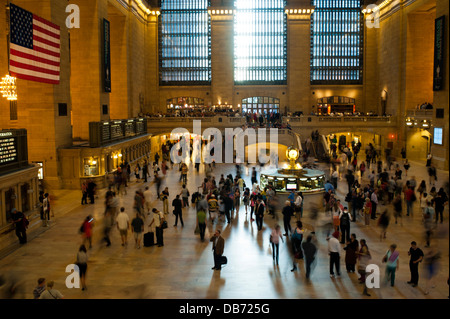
(10, 198)
(25, 197)
(90, 166)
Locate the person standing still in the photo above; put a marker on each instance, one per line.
(84, 193)
(260, 208)
(367, 210)
(392, 263)
(334, 249)
(18, 219)
(123, 223)
(46, 207)
(345, 219)
(158, 219)
(178, 210)
(137, 227)
(374, 200)
(165, 199)
(40, 288)
(416, 255)
(51, 293)
(218, 247)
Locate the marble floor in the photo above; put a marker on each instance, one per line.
(182, 268)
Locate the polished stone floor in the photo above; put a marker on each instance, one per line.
(182, 268)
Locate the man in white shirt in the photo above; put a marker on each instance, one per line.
(374, 200)
(298, 206)
(148, 198)
(334, 249)
(158, 218)
(123, 223)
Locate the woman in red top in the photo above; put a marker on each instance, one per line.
(87, 230)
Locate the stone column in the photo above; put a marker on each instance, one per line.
(299, 56)
(222, 47)
(87, 87)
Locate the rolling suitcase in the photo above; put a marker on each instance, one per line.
(149, 239)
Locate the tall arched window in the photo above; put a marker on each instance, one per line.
(184, 42)
(337, 42)
(260, 42)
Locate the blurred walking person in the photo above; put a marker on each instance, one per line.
(351, 250)
(431, 260)
(82, 259)
(287, 212)
(108, 222)
(275, 241)
(201, 222)
(363, 260)
(309, 254)
(383, 223)
(87, 230)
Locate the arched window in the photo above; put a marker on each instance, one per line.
(184, 41)
(337, 42)
(260, 42)
(261, 104)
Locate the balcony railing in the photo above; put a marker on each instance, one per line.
(426, 113)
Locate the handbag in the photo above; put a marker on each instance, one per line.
(197, 230)
(163, 224)
(223, 260)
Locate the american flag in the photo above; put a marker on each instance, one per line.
(34, 51)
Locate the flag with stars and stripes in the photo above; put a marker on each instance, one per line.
(34, 50)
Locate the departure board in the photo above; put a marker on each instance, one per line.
(8, 148)
(13, 150)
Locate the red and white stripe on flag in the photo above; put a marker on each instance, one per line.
(40, 61)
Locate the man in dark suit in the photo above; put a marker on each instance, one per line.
(178, 210)
(260, 208)
(218, 246)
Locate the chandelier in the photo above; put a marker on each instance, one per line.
(8, 88)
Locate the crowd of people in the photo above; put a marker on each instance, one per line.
(377, 197)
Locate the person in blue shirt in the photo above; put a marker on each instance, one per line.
(291, 197)
(328, 186)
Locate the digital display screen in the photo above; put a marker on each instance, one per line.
(437, 137)
(291, 186)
